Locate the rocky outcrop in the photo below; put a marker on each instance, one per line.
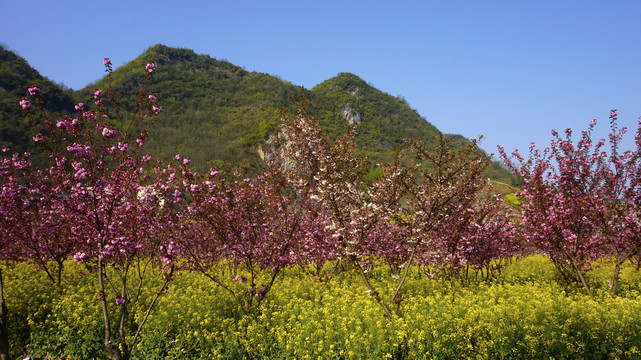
(350, 115)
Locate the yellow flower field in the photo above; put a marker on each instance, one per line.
(525, 314)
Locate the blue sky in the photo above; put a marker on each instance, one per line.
(508, 70)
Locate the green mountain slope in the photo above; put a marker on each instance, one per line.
(384, 120)
(214, 112)
(219, 114)
(16, 75)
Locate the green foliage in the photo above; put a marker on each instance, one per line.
(15, 77)
(385, 120)
(218, 114)
(508, 192)
(214, 113)
(525, 315)
(497, 172)
(513, 199)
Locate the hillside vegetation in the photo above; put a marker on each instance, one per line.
(220, 115)
(15, 76)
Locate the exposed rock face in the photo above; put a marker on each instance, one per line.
(273, 149)
(268, 151)
(350, 115)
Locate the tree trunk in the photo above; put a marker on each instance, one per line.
(4, 334)
(616, 278)
(113, 352)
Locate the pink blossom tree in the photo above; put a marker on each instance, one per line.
(448, 182)
(245, 231)
(477, 237)
(365, 216)
(33, 225)
(33, 220)
(579, 202)
(332, 175)
(621, 220)
(120, 218)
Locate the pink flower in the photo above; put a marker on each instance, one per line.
(80, 106)
(152, 98)
(122, 146)
(156, 109)
(81, 174)
(97, 93)
(77, 149)
(108, 133)
(61, 124)
(593, 122)
(90, 115)
(120, 301)
(614, 113)
(186, 161)
(33, 91)
(81, 256)
(38, 137)
(106, 62)
(25, 104)
(140, 142)
(151, 67)
(261, 292)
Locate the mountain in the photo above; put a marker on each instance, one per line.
(218, 114)
(384, 120)
(214, 112)
(16, 75)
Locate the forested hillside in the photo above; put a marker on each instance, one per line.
(15, 77)
(218, 114)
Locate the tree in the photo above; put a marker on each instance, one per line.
(122, 219)
(33, 225)
(331, 175)
(361, 213)
(579, 202)
(621, 220)
(475, 236)
(447, 184)
(245, 231)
